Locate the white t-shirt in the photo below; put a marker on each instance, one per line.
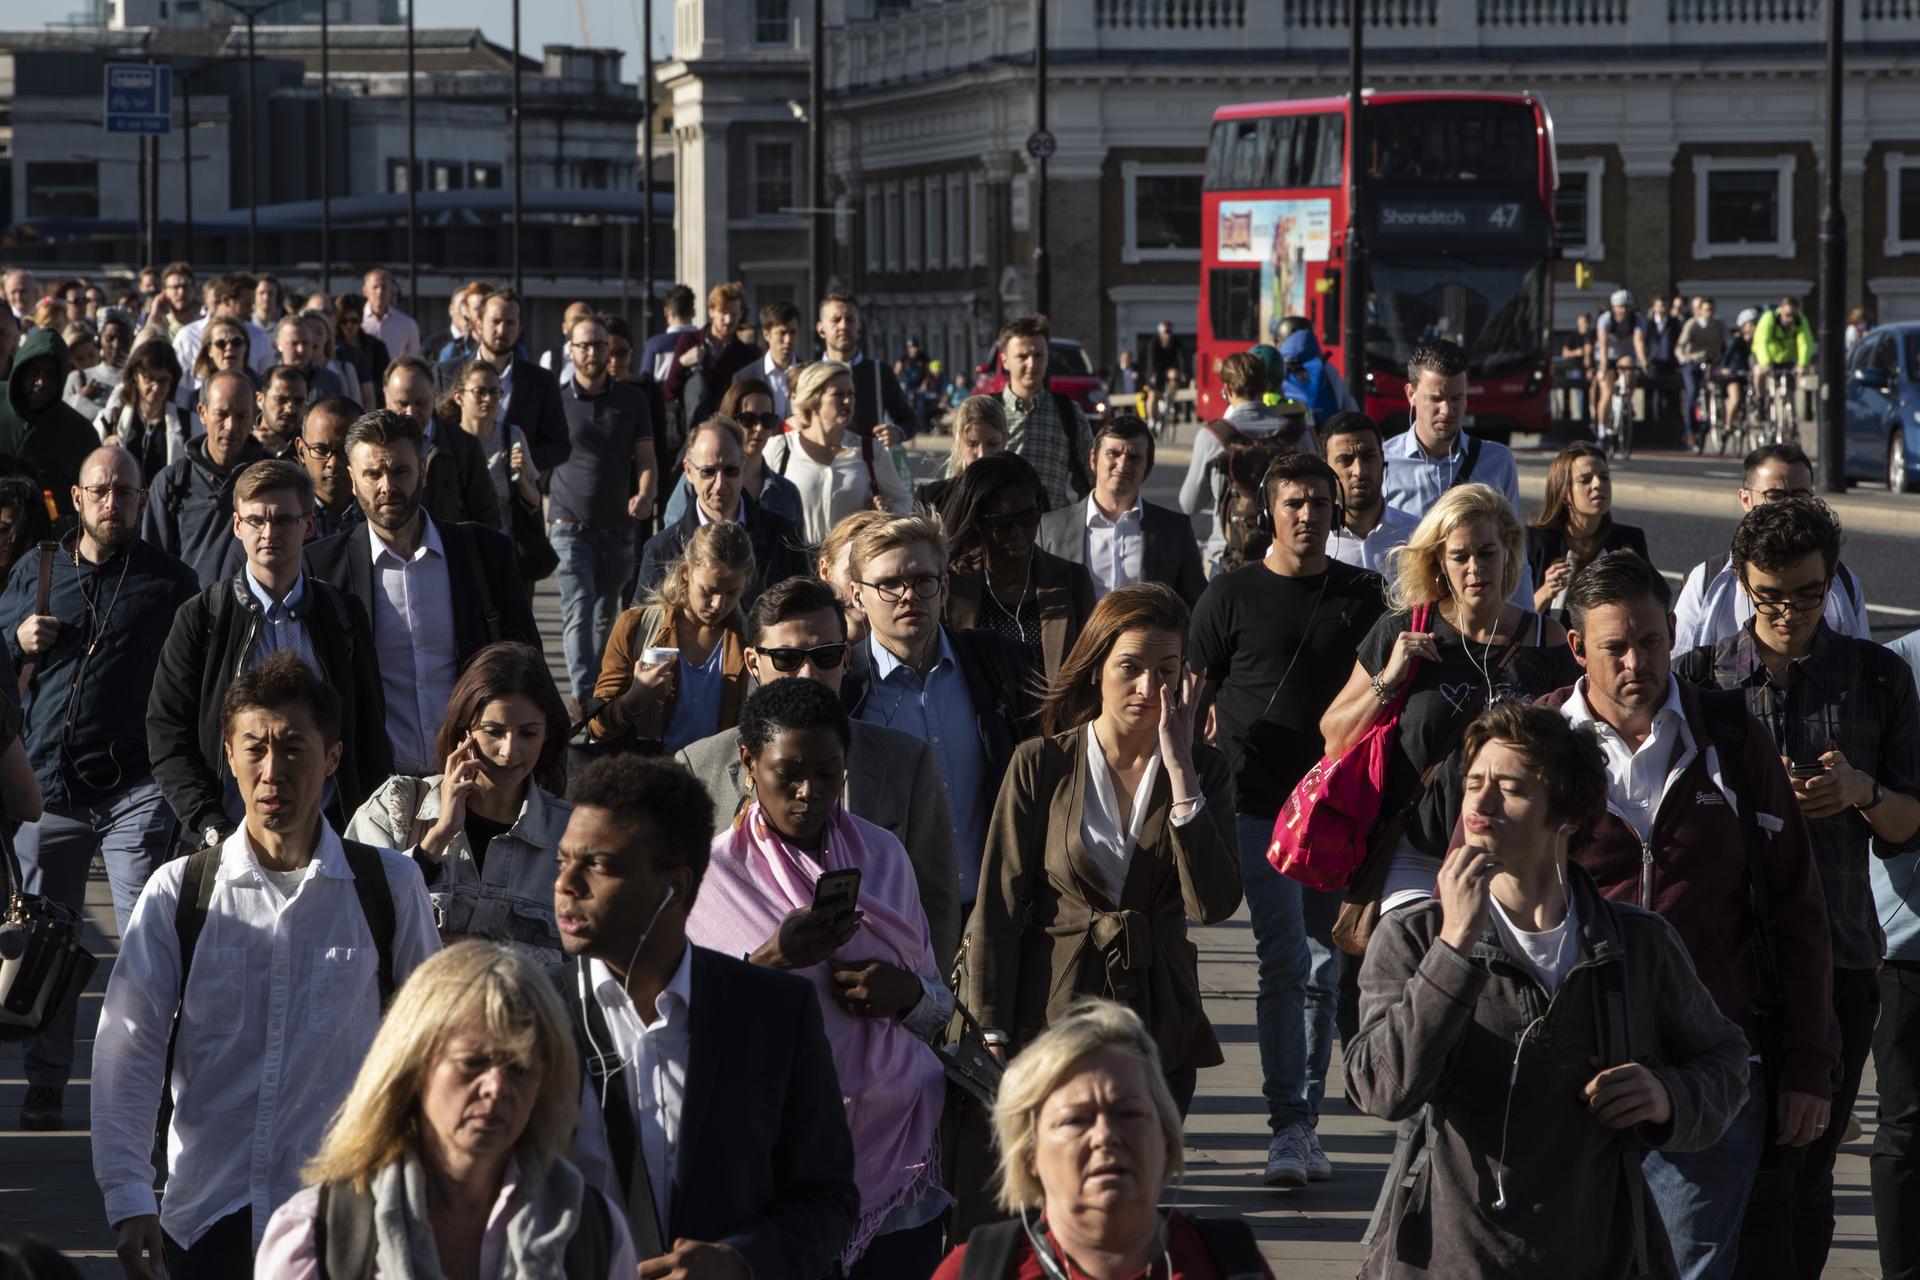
(1549, 954)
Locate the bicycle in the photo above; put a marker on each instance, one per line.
(1708, 412)
(1160, 417)
(1616, 432)
(1781, 422)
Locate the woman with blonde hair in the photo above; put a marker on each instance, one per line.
(836, 567)
(1115, 814)
(837, 471)
(1451, 645)
(979, 431)
(446, 1158)
(675, 669)
(1090, 1140)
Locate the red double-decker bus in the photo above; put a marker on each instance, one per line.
(1457, 197)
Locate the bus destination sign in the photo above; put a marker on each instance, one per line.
(1444, 218)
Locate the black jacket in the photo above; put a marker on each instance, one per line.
(764, 1161)
(86, 730)
(777, 553)
(212, 638)
(1168, 552)
(458, 486)
(1004, 683)
(876, 395)
(482, 574)
(534, 407)
(190, 510)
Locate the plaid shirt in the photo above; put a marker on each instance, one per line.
(1850, 695)
(1035, 432)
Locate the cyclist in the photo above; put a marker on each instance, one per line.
(1163, 367)
(1621, 347)
(1782, 340)
(1702, 340)
(1736, 363)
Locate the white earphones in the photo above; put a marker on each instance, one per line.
(586, 1023)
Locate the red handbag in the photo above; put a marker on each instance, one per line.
(1320, 837)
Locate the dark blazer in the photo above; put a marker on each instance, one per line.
(777, 553)
(534, 408)
(1002, 679)
(458, 486)
(1548, 544)
(1063, 591)
(213, 634)
(764, 1161)
(476, 557)
(877, 394)
(1169, 553)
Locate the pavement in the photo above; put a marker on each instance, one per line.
(47, 1188)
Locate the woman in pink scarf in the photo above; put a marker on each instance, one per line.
(871, 961)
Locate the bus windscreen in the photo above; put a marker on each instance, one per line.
(1492, 309)
(1445, 142)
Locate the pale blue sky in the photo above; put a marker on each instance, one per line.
(613, 23)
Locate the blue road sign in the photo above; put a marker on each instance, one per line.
(137, 98)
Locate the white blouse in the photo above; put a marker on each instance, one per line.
(1109, 844)
(829, 494)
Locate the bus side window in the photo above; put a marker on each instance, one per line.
(1279, 166)
(1330, 297)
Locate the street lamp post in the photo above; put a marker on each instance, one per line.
(413, 165)
(252, 12)
(1833, 275)
(817, 152)
(646, 169)
(186, 158)
(1353, 294)
(326, 163)
(1042, 267)
(518, 287)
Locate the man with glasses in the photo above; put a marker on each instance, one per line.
(597, 497)
(268, 605)
(189, 506)
(322, 450)
(967, 694)
(797, 628)
(714, 463)
(93, 656)
(1712, 607)
(1847, 723)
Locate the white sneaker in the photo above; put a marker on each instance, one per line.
(1287, 1157)
(1319, 1168)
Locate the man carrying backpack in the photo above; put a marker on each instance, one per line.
(1311, 380)
(248, 988)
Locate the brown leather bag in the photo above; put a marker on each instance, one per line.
(43, 600)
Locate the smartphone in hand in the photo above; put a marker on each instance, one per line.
(836, 891)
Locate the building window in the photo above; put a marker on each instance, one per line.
(1903, 203)
(977, 219)
(1576, 207)
(873, 229)
(773, 22)
(1743, 207)
(936, 207)
(445, 175)
(916, 226)
(596, 174)
(398, 177)
(484, 177)
(956, 222)
(63, 189)
(892, 225)
(1162, 211)
(773, 179)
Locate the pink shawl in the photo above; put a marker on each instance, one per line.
(891, 1082)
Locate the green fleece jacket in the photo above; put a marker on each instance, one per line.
(57, 439)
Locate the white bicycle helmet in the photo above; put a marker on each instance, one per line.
(1621, 298)
(1750, 316)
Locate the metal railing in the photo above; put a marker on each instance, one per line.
(1535, 13)
(1170, 15)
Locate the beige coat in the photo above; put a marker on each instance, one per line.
(1044, 932)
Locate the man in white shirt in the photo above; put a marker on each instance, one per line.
(709, 1104)
(1369, 528)
(279, 980)
(227, 297)
(384, 320)
(1712, 606)
(779, 326)
(1434, 454)
(1120, 538)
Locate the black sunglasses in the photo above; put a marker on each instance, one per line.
(824, 656)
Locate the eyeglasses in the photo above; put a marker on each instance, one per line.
(827, 657)
(121, 492)
(1028, 519)
(764, 421)
(1770, 496)
(224, 343)
(731, 471)
(924, 586)
(1805, 600)
(324, 452)
(588, 346)
(484, 393)
(260, 524)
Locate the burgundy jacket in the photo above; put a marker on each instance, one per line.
(1693, 871)
(720, 367)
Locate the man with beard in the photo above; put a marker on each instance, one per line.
(93, 655)
(1369, 528)
(529, 395)
(189, 508)
(282, 400)
(437, 593)
(458, 487)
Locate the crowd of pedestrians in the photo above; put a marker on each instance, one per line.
(831, 917)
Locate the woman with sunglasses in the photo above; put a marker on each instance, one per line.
(225, 347)
(837, 470)
(748, 402)
(366, 354)
(474, 402)
(999, 579)
(1112, 832)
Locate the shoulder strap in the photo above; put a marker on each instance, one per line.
(1851, 584)
(178, 482)
(1231, 1245)
(1715, 566)
(590, 1250)
(376, 904)
(1726, 715)
(866, 456)
(1076, 461)
(1473, 460)
(479, 576)
(42, 601)
(343, 1233)
(189, 918)
(990, 1250)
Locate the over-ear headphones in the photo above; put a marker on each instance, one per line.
(1263, 517)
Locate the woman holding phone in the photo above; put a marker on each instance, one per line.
(1113, 831)
(798, 883)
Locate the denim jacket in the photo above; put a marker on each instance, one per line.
(511, 899)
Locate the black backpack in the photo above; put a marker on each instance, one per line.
(991, 1249)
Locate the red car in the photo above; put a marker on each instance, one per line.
(1068, 371)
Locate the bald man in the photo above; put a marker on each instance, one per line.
(86, 732)
(190, 505)
(460, 469)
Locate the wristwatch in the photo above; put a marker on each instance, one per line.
(1879, 794)
(211, 836)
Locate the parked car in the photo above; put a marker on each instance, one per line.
(1883, 408)
(1069, 372)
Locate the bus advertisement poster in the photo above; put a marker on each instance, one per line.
(1283, 236)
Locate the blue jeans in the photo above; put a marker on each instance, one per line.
(132, 831)
(1702, 1195)
(595, 565)
(1299, 980)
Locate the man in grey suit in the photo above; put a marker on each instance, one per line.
(795, 627)
(1119, 537)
